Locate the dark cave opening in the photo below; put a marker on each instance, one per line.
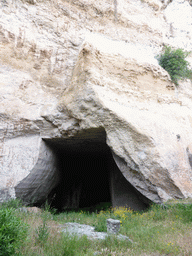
(89, 176)
(84, 174)
(80, 171)
(84, 181)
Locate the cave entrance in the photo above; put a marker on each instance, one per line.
(84, 173)
(88, 174)
(79, 171)
(84, 180)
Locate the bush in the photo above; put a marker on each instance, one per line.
(12, 232)
(173, 61)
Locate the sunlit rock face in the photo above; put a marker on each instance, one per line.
(147, 126)
(80, 85)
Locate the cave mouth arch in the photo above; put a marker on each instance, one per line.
(88, 174)
(84, 172)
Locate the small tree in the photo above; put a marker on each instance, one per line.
(173, 61)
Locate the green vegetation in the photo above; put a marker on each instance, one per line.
(12, 231)
(42, 233)
(175, 63)
(161, 230)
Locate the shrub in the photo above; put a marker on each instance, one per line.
(12, 232)
(173, 61)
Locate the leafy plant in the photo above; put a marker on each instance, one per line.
(12, 232)
(174, 62)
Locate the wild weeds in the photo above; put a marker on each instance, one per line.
(42, 233)
(156, 231)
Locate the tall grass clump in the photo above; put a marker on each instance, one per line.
(175, 63)
(12, 231)
(42, 233)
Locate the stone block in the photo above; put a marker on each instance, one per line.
(113, 226)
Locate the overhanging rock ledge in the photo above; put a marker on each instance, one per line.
(130, 100)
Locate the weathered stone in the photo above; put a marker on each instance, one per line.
(46, 169)
(113, 226)
(30, 209)
(132, 128)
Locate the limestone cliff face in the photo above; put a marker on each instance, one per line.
(73, 70)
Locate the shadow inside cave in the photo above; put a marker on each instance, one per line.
(78, 172)
(84, 177)
(89, 176)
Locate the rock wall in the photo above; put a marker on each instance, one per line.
(43, 177)
(19, 157)
(150, 138)
(122, 192)
(70, 69)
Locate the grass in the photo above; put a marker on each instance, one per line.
(157, 231)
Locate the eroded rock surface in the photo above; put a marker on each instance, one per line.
(150, 140)
(76, 75)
